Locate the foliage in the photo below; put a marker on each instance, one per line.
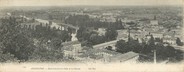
(56, 44)
(7, 57)
(146, 50)
(96, 39)
(92, 37)
(86, 43)
(26, 44)
(86, 21)
(122, 46)
(14, 39)
(46, 55)
(178, 42)
(111, 34)
(47, 51)
(82, 34)
(49, 33)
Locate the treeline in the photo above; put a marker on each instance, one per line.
(15, 44)
(22, 44)
(145, 49)
(88, 37)
(46, 32)
(86, 21)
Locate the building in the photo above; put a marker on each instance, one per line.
(74, 38)
(154, 22)
(170, 40)
(108, 19)
(72, 49)
(157, 35)
(101, 31)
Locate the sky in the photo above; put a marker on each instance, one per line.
(88, 2)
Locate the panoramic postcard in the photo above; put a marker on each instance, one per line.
(85, 32)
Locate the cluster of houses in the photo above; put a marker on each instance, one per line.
(157, 31)
(74, 50)
(144, 33)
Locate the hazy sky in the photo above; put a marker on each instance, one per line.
(87, 2)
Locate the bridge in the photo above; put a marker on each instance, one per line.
(68, 25)
(56, 24)
(104, 45)
(110, 43)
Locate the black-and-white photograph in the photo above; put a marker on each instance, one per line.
(91, 31)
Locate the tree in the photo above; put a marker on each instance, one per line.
(84, 34)
(80, 33)
(56, 44)
(87, 44)
(179, 55)
(65, 35)
(42, 54)
(15, 40)
(160, 40)
(4, 57)
(178, 42)
(111, 34)
(96, 39)
(135, 46)
(170, 51)
(146, 49)
(161, 51)
(118, 24)
(50, 17)
(151, 43)
(121, 46)
(151, 40)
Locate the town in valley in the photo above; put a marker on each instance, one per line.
(92, 34)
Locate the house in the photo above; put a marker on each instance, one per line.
(154, 22)
(108, 19)
(101, 31)
(72, 48)
(157, 35)
(74, 38)
(170, 40)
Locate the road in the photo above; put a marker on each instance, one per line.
(110, 43)
(69, 25)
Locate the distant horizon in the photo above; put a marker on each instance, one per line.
(10, 3)
(103, 6)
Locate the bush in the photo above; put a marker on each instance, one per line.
(44, 55)
(7, 57)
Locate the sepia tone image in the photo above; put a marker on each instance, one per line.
(91, 31)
